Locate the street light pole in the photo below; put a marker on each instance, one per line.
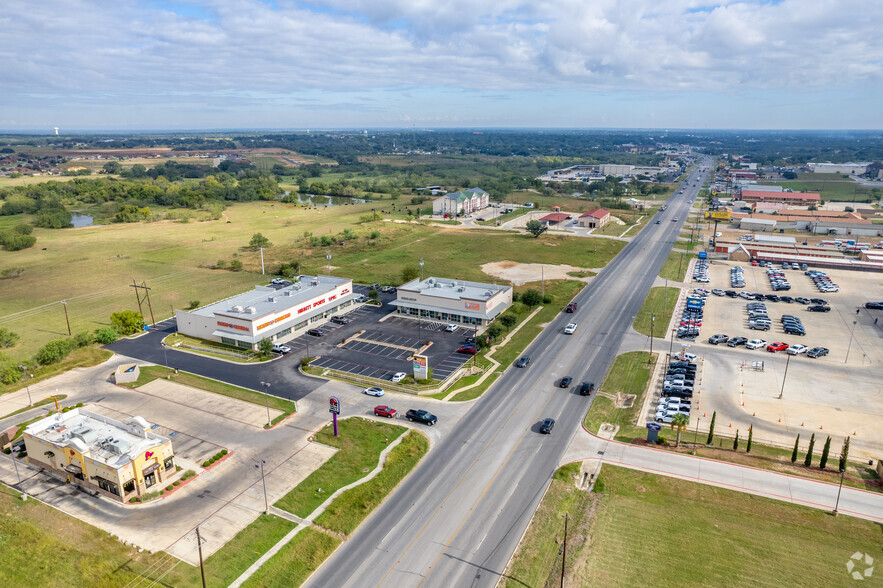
(564, 553)
(24, 369)
(782, 391)
(266, 386)
(328, 265)
(166, 357)
(421, 269)
(67, 320)
(652, 323)
(837, 504)
(260, 465)
(850, 341)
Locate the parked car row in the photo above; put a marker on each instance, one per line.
(777, 278)
(792, 325)
(822, 281)
(691, 319)
(700, 271)
(737, 277)
(758, 319)
(677, 389)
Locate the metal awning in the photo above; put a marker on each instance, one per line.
(105, 480)
(234, 336)
(471, 314)
(149, 469)
(73, 468)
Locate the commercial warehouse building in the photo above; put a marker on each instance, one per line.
(799, 198)
(452, 301)
(120, 460)
(278, 314)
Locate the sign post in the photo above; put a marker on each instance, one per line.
(334, 409)
(421, 367)
(652, 432)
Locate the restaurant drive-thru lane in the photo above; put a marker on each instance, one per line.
(458, 518)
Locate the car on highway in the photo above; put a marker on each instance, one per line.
(398, 377)
(385, 411)
(570, 328)
(674, 220)
(796, 349)
(421, 416)
(451, 328)
(522, 361)
(586, 388)
(546, 426)
(374, 391)
(283, 349)
(736, 341)
(565, 382)
(818, 308)
(817, 352)
(571, 307)
(776, 346)
(658, 222)
(719, 338)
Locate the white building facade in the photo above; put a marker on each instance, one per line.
(463, 202)
(452, 301)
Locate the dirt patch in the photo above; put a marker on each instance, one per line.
(521, 273)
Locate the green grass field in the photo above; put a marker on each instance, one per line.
(675, 266)
(829, 187)
(629, 374)
(658, 305)
(360, 443)
(637, 521)
(295, 561)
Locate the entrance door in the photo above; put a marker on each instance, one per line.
(149, 480)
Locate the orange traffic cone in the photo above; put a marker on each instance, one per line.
(821, 427)
(731, 425)
(753, 414)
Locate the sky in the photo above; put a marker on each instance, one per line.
(279, 64)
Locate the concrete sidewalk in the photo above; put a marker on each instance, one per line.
(814, 493)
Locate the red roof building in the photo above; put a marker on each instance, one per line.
(804, 198)
(554, 218)
(594, 218)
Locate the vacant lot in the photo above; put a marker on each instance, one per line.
(637, 521)
(833, 188)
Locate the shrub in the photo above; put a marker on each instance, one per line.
(15, 242)
(106, 335)
(54, 351)
(176, 483)
(193, 304)
(169, 488)
(547, 299)
(83, 339)
(327, 240)
(134, 499)
(7, 451)
(11, 272)
(375, 234)
(79, 405)
(127, 322)
(223, 452)
(661, 440)
(65, 409)
(221, 264)
(10, 374)
(236, 265)
(188, 474)
(206, 464)
(531, 298)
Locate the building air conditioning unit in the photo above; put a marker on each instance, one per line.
(289, 293)
(461, 289)
(237, 309)
(430, 281)
(251, 310)
(271, 299)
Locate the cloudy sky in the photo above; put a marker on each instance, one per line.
(279, 64)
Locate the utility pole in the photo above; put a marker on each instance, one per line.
(837, 504)
(24, 369)
(543, 279)
(564, 554)
(67, 320)
(652, 322)
(146, 298)
(782, 391)
(328, 265)
(201, 566)
(421, 269)
(260, 465)
(266, 386)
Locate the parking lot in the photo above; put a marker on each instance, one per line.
(833, 394)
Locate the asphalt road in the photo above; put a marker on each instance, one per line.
(459, 517)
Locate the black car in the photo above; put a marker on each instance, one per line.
(817, 352)
(340, 320)
(735, 341)
(818, 308)
(546, 426)
(795, 331)
(421, 416)
(668, 393)
(586, 388)
(314, 332)
(730, 293)
(772, 297)
(565, 382)
(874, 305)
(522, 362)
(787, 299)
(820, 301)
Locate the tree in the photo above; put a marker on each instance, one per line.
(7, 337)
(711, 429)
(536, 228)
(409, 272)
(680, 421)
(844, 453)
(258, 241)
(794, 453)
(265, 346)
(127, 322)
(750, 435)
(236, 265)
(824, 460)
(494, 330)
(373, 294)
(54, 351)
(736, 441)
(808, 460)
(789, 175)
(113, 167)
(508, 321)
(139, 171)
(531, 298)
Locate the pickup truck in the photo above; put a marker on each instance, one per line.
(421, 416)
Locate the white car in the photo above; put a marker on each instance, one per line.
(684, 356)
(796, 349)
(374, 391)
(277, 281)
(283, 349)
(398, 377)
(451, 328)
(570, 328)
(756, 344)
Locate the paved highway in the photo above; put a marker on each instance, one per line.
(458, 518)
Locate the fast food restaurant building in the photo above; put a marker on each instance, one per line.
(267, 312)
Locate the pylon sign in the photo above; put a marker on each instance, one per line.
(334, 405)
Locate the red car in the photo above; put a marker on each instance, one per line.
(385, 411)
(777, 346)
(754, 262)
(468, 349)
(570, 307)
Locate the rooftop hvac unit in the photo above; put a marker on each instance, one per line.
(251, 310)
(289, 293)
(461, 289)
(453, 284)
(488, 293)
(437, 285)
(237, 309)
(118, 446)
(271, 299)
(430, 281)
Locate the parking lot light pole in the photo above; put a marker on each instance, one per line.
(166, 357)
(24, 369)
(260, 465)
(850, 341)
(652, 322)
(421, 269)
(328, 265)
(266, 386)
(837, 504)
(787, 362)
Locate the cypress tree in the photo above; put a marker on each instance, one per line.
(844, 453)
(794, 453)
(711, 429)
(736, 441)
(750, 435)
(824, 461)
(812, 441)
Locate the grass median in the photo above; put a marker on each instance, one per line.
(675, 266)
(629, 374)
(359, 443)
(296, 560)
(656, 310)
(635, 521)
(150, 373)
